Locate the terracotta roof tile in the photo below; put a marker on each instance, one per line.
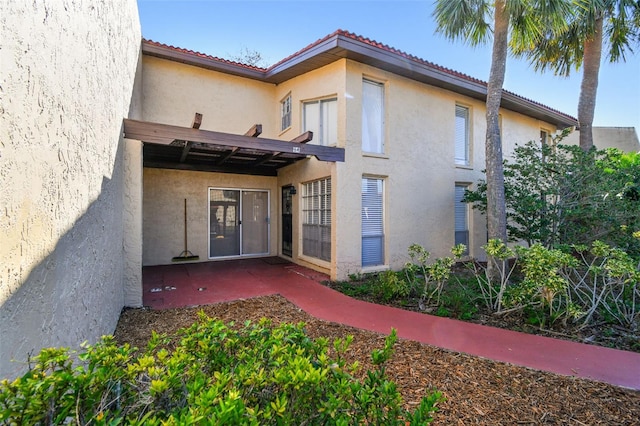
(203, 55)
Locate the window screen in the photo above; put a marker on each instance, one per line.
(286, 113)
(462, 136)
(372, 222)
(321, 117)
(316, 219)
(461, 218)
(372, 117)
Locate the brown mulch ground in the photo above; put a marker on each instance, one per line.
(478, 391)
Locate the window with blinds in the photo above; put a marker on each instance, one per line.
(462, 136)
(285, 113)
(321, 117)
(372, 222)
(316, 219)
(461, 213)
(372, 117)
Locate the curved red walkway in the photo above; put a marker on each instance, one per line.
(213, 282)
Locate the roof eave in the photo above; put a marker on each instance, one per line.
(338, 46)
(172, 54)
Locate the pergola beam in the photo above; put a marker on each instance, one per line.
(227, 156)
(197, 121)
(164, 134)
(266, 158)
(303, 138)
(254, 131)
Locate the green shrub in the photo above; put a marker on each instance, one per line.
(543, 289)
(560, 195)
(214, 374)
(390, 285)
(494, 277)
(430, 277)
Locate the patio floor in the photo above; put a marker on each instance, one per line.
(193, 284)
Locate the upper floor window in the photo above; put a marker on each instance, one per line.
(462, 136)
(321, 117)
(372, 117)
(285, 113)
(545, 137)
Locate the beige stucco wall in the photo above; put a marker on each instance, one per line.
(132, 205)
(67, 78)
(173, 92)
(163, 207)
(623, 138)
(417, 166)
(323, 83)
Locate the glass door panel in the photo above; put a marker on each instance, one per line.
(287, 221)
(255, 222)
(238, 222)
(224, 224)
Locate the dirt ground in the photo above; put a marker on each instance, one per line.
(477, 391)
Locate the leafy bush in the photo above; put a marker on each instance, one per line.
(430, 277)
(494, 277)
(560, 195)
(214, 374)
(543, 287)
(390, 285)
(552, 284)
(606, 282)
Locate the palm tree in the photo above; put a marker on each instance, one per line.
(526, 21)
(581, 45)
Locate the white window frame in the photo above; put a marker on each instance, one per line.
(545, 137)
(462, 145)
(285, 113)
(373, 219)
(323, 133)
(316, 219)
(373, 118)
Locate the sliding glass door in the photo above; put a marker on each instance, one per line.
(238, 222)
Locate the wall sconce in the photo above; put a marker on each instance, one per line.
(292, 190)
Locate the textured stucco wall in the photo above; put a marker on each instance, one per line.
(623, 138)
(173, 92)
(132, 208)
(67, 77)
(417, 166)
(326, 82)
(163, 207)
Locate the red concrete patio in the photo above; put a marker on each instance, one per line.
(193, 284)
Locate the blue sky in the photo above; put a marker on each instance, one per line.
(277, 29)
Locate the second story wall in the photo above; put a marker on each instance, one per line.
(418, 164)
(173, 92)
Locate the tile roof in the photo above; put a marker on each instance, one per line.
(201, 55)
(272, 72)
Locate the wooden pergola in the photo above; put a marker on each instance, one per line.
(189, 148)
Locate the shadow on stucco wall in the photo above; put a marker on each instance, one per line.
(76, 292)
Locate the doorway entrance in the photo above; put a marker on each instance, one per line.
(287, 220)
(238, 222)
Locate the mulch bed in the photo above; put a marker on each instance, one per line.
(478, 391)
